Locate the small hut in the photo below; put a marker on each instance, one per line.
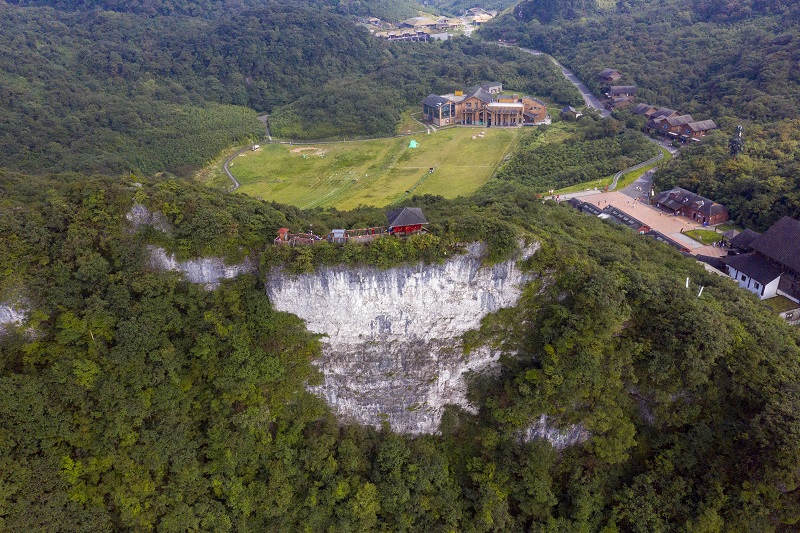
(405, 221)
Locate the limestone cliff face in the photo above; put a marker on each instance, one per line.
(392, 347)
(207, 270)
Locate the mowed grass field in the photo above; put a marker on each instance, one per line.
(376, 172)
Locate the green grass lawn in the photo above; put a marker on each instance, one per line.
(781, 304)
(375, 172)
(407, 123)
(705, 236)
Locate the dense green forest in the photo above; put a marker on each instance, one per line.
(134, 400)
(733, 62)
(95, 90)
(385, 9)
(596, 149)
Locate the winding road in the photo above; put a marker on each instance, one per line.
(589, 99)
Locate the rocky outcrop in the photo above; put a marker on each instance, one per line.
(11, 315)
(140, 216)
(560, 438)
(207, 270)
(392, 347)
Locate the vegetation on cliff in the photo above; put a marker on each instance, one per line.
(137, 400)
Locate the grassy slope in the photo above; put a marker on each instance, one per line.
(376, 172)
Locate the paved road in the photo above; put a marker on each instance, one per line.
(236, 184)
(589, 99)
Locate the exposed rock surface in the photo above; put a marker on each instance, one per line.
(140, 216)
(207, 270)
(560, 438)
(392, 350)
(11, 315)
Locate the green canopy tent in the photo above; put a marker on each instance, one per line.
(412, 144)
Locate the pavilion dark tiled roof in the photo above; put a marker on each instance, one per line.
(405, 216)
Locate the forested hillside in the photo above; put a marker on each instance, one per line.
(733, 62)
(95, 90)
(385, 9)
(594, 149)
(139, 401)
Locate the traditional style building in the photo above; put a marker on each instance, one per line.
(405, 221)
(681, 202)
(609, 76)
(772, 268)
(484, 106)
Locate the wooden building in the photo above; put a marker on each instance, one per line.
(483, 106)
(772, 267)
(685, 203)
(609, 76)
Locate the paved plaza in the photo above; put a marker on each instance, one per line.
(628, 201)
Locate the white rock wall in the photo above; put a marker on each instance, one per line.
(11, 315)
(207, 270)
(560, 438)
(392, 350)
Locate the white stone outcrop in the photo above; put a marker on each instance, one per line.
(207, 270)
(139, 215)
(392, 346)
(11, 315)
(560, 438)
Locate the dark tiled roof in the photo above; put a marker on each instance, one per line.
(742, 240)
(781, 243)
(405, 216)
(621, 89)
(677, 198)
(620, 217)
(710, 260)
(641, 109)
(435, 101)
(754, 266)
(657, 235)
(702, 125)
(609, 72)
(569, 109)
(663, 112)
(680, 121)
(478, 92)
(487, 86)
